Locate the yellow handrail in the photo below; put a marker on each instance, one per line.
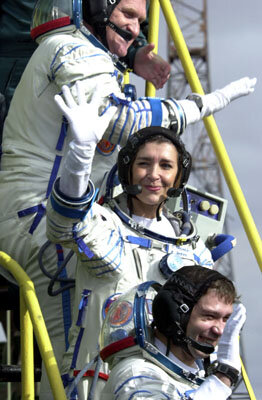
(213, 132)
(27, 351)
(153, 30)
(31, 316)
(247, 382)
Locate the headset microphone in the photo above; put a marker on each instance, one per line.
(204, 347)
(126, 35)
(174, 192)
(133, 189)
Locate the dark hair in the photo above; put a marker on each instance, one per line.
(202, 279)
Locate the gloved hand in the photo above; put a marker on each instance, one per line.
(228, 346)
(220, 98)
(87, 128)
(86, 124)
(197, 106)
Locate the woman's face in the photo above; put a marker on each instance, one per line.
(154, 169)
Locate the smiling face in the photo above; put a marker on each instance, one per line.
(154, 169)
(207, 321)
(127, 15)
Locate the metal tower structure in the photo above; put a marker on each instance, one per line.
(206, 175)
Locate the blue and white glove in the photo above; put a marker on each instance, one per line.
(86, 129)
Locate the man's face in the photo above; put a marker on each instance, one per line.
(207, 321)
(128, 15)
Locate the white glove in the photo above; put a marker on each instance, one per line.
(87, 128)
(197, 106)
(220, 98)
(86, 125)
(228, 346)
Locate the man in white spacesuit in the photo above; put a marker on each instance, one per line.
(155, 339)
(35, 136)
(131, 238)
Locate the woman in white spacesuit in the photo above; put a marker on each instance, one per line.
(155, 339)
(129, 239)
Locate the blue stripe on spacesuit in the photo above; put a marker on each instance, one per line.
(124, 124)
(138, 107)
(142, 110)
(146, 231)
(138, 112)
(136, 392)
(82, 307)
(57, 162)
(56, 55)
(132, 379)
(95, 42)
(40, 208)
(76, 349)
(202, 259)
(69, 61)
(134, 118)
(77, 46)
(119, 252)
(66, 302)
(115, 123)
(83, 248)
(181, 116)
(147, 243)
(196, 258)
(124, 102)
(156, 111)
(110, 236)
(40, 212)
(186, 395)
(143, 391)
(67, 212)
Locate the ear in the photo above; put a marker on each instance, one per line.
(165, 312)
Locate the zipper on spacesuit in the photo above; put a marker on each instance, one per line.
(138, 263)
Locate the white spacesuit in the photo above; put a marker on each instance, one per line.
(116, 249)
(122, 256)
(35, 141)
(139, 363)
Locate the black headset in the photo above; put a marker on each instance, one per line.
(174, 302)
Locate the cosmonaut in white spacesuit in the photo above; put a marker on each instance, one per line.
(35, 136)
(156, 338)
(132, 237)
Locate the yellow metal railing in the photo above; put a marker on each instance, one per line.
(210, 123)
(31, 319)
(247, 382)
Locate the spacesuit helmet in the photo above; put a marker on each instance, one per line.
(53, 14)
(128, 320)
(49, 15)
(179, 295)
(128, 153)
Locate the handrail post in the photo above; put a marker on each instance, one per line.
(32, 305)
(153, 30)
(27, 352)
